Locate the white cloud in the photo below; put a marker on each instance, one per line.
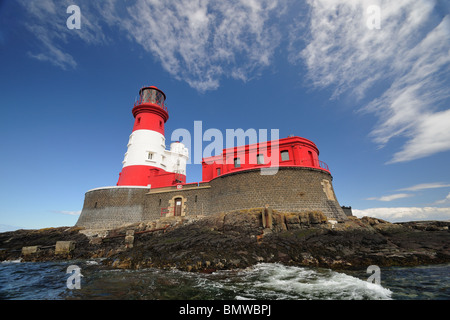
(391, 197)
(201, 41)
(423, 186)
(445, 200)
(429, 136)
(407, 59)
(46, 19)
(71, 213)
(405, 213)
(196, 41)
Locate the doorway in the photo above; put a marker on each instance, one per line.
(178, 205)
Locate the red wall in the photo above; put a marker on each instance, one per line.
(145, 175)
(150, 117)
(302, 153)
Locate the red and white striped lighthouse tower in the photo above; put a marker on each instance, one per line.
(147, 162)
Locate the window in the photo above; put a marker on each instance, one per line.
(237, 162)
(160, 202)
(311, 158)
(218, 171)
(196, 198)
(150, 156)
(284, 155)
(139, 120)
(260, 159)
(160, 124)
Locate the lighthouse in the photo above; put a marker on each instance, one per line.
(152, 182)
(147, 162)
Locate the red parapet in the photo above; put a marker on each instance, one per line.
(287, 152)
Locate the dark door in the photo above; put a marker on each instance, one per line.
(178, 203)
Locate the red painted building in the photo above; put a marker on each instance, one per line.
(287, 152)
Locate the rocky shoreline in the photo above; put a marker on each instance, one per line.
(241, 239)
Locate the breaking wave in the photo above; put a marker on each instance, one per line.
(275, 281)
(265, 281)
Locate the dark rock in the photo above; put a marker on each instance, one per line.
(238, 240)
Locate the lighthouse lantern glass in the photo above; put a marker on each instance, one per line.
(149, 95)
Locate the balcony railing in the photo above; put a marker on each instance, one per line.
(159, 103)
(323, 165)
(315, 164)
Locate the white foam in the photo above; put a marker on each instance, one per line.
(13, 261)
(294, 282)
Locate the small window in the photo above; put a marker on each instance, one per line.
(160, 202)
(237, 162)
(95, 205)
(260, 159)
(139, 120)
(218, 171)
(284, 155)
(195, 198)
(150, 156)
(160, 124)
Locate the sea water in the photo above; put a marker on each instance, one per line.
(265, 281)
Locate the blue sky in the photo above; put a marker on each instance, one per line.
(375, 101)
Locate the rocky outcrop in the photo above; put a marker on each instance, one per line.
(242, 238)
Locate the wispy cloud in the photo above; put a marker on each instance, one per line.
(46, 19)
(445, 200)
(407, 60)
(196, 41)
(405, 213)
(70, 213)
(201, 41)
(399, 72)
(392, 197)
(423, 186)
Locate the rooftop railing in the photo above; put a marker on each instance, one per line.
(315, 163)
(159, 103)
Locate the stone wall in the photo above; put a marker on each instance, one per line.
(196, 201)
(291, 189)
(348, 211)
(105, 208)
